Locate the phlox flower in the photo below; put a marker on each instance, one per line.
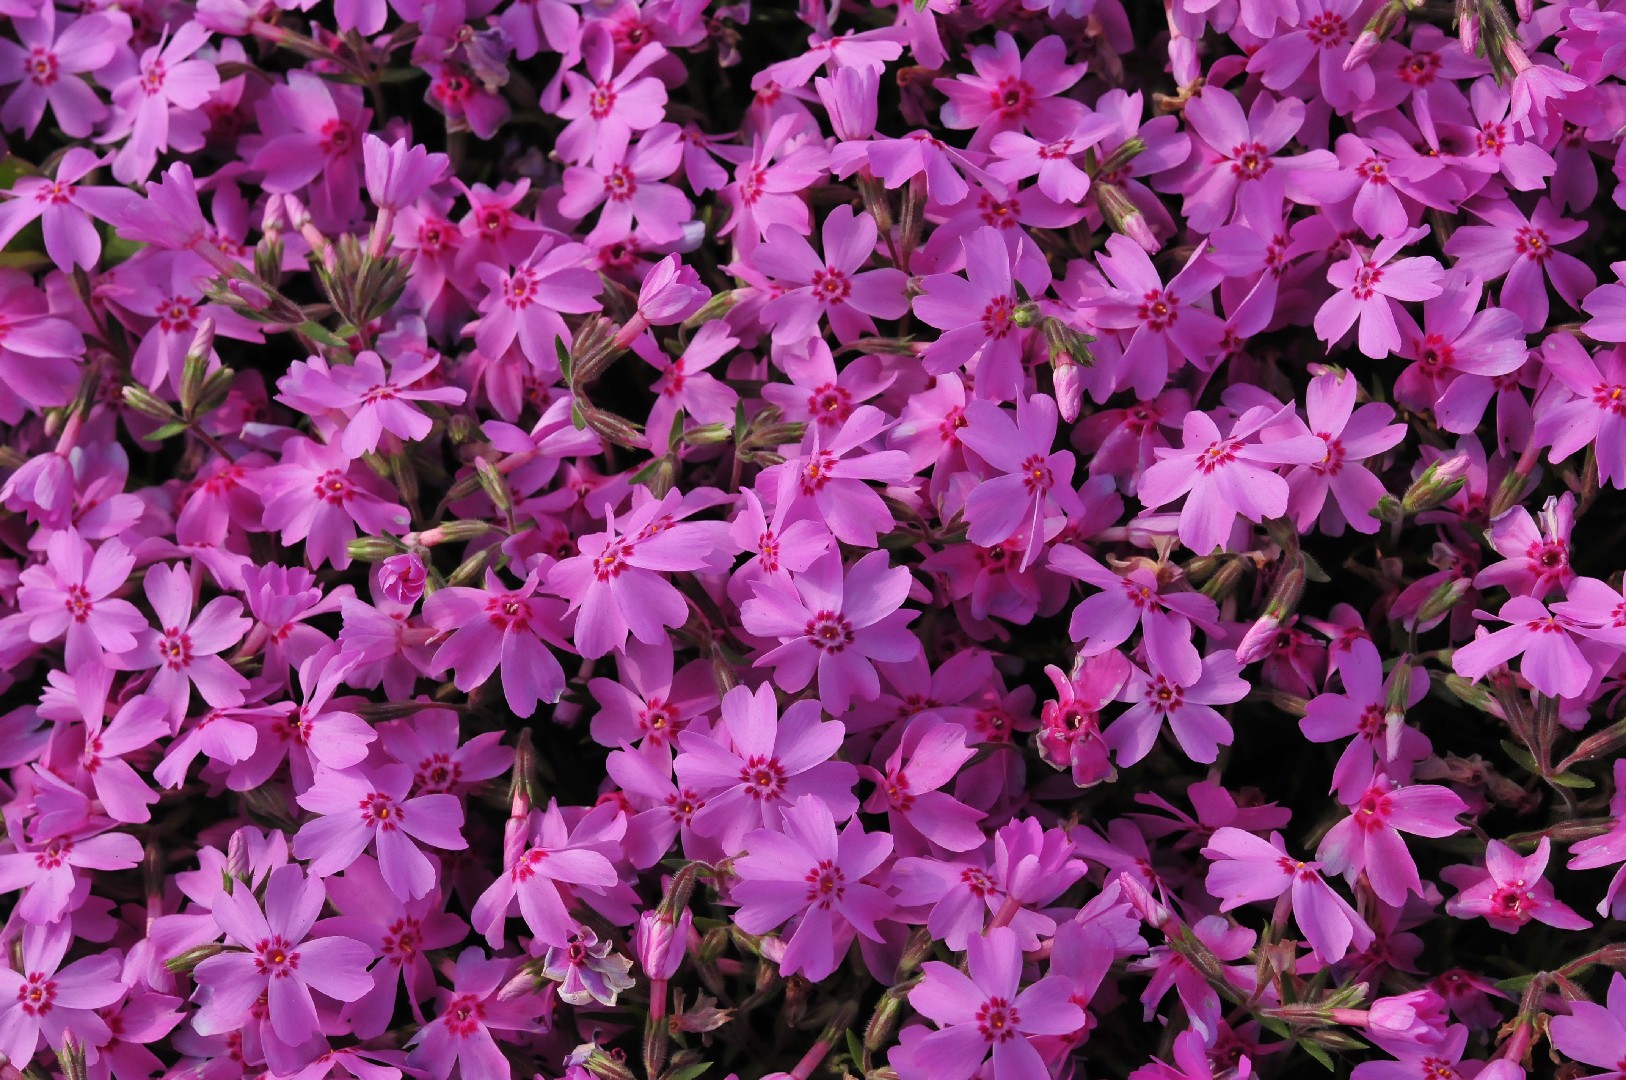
(615, 585)
(275, 959)
(320, 494)
(1535, 550)
(138, 723)
(461, 1035)
(834, 286)
(543, 877)
(1550, 659)
(1369, 839)
(1369, 286)
(185, 646)
(833, 473)
(1510, 891)
(47, 1000)
(312, 138)
(1379, 745)
(442, 762)
(1351, 436)
(46, 66)
(1223, 476)
(524, 305)
(64, 207)
(1324, 34)
(630, 191)
(686, 384)
(1187, 707)
(1035, 480)
(834, 624)
(1012, 92)
(1595, 413)
(927, 758)
(44, 872)
(977, 314)
(71, 595)
(758, 762)
(1457, 354)
(379, 400)
(362, 807)
(648, 704)
(1166, 326)
(159, 106)
(605, 106)
(1526, 251)
(1070, 726)
(500, 626)
(988, 1013)
(1247, 869)
(806, 871)
(37, 354)
(1138, 597)
(1594, 1034)
(1236, 149)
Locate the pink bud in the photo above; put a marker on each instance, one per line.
(1069, 391)
(402, 577)
(659, 943)
(1256, 642)
(1362, 50)
(671, 292)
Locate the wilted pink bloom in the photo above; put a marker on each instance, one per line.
(276, 958)
(1369, 286)
(72, 594)
(1551, 661)
(835, 625)
(807, 871)
(1536, 556)
(1369, 839)
(989, 1013)
(1070, 726)
(1226, 476)
(758, 762)
(1247, 869)
(587, 970)
(1510, 891)
(45, 1000)
(496, 626)
(361, 807)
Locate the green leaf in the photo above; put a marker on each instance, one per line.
(1515, 985)
(1319, 1053)
(855, 1048)
(1571, 780)
(920, 5)
(688, 1072)
(321, 335)
(1523, 757)
(168, 431)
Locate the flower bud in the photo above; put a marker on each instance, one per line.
(660, 943)
(493, 484)
(71, 1056)
(187, 962)
(195, 368)
(1123, 216)
(670, 293)
(402, 577)
(370, 549)
(1436, 486)
(1069, 380)
(148, 404)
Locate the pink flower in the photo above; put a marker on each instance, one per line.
(812, 874)
(1070, 727)
(1035, 496)
(1536, 556)
(72, 595)
(1138, 597)
(1368, 288)
(496, 626)
(160, 106)
(47, 1000)
(46, 66)
(615, 585)
(835, 625)
(1351, 437)
(927, 758)
(44, 871)
(361, 807)
(524, 305)
(1246, 869)
(276, 958)
(1510, 891)
(1012, 92)
(38, 354)
(1524, 249)
(1226, 476)
(1595, 414)
(978, 314)
(472, 1009)
(402, 577)
(185, 648)
(1369, 839)
(1594, 1034)
(320, 494)
(1187, 707)
(833, 473)
(136, 724)
(1551, 660)
(1236, 149)
(543, 877)
(313, 128)
(833, 286)
(630, 191)
(1381, 745)
(1166, 325)
(378, 401)
(1457, 354)
(988, 1012)
(758, 763)
(398, 173)
(605, 107)
(64, 208)
(1323, 35)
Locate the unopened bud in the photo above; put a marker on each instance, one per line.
(195, 368)
(1396, 704)
(660, 942)
(147, 403)
(719, 305)
(1437, 485)
(371, 549)
(617, 429)
(1069, 381)
(493, 484)
(1224, 580)
(71, 1056)
(469, 570)
(1442, 600)
(708, 435)
(187, 962)
(1123, 216)
(1121, 156)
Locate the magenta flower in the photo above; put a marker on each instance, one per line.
(1535, 550)
(320, 494)
(45, 65)
(313, 128)
(48, 1001)
(833, 286)
(1166, 325)
(1595, 414)
(1510, 891)
(377, 400)
(1369, 839)
(1323, 35)
(630, 191)
(1226, 476)
(989, 1013)
(810, 873)
(1594, 1034)
(1457, 355)
(605, 106)
(1012, 92)
(1247, 869)
(1379, 746)
(276, 959)
(44, 872)
(37, 354)
(1187, 708)
(472, 1009)
(361, 807)
(928, 756)
(1136, 598)
(524, 304)
(1525, 250)
(759, 762)
(71, 595)
(185, 647)
(835, 625)
(138, 723)
(977, 314)
(542, 878)
(1351, 437)
(64, 208)
(498, 626)
(1237, 149)
(1070, 726)
(160, 105)
(833, 472)
(615, 585)
(1035, 496)
(398, 173)
(1550, 659)
(1368, 288)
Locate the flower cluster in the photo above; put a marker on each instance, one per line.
(913, 540)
